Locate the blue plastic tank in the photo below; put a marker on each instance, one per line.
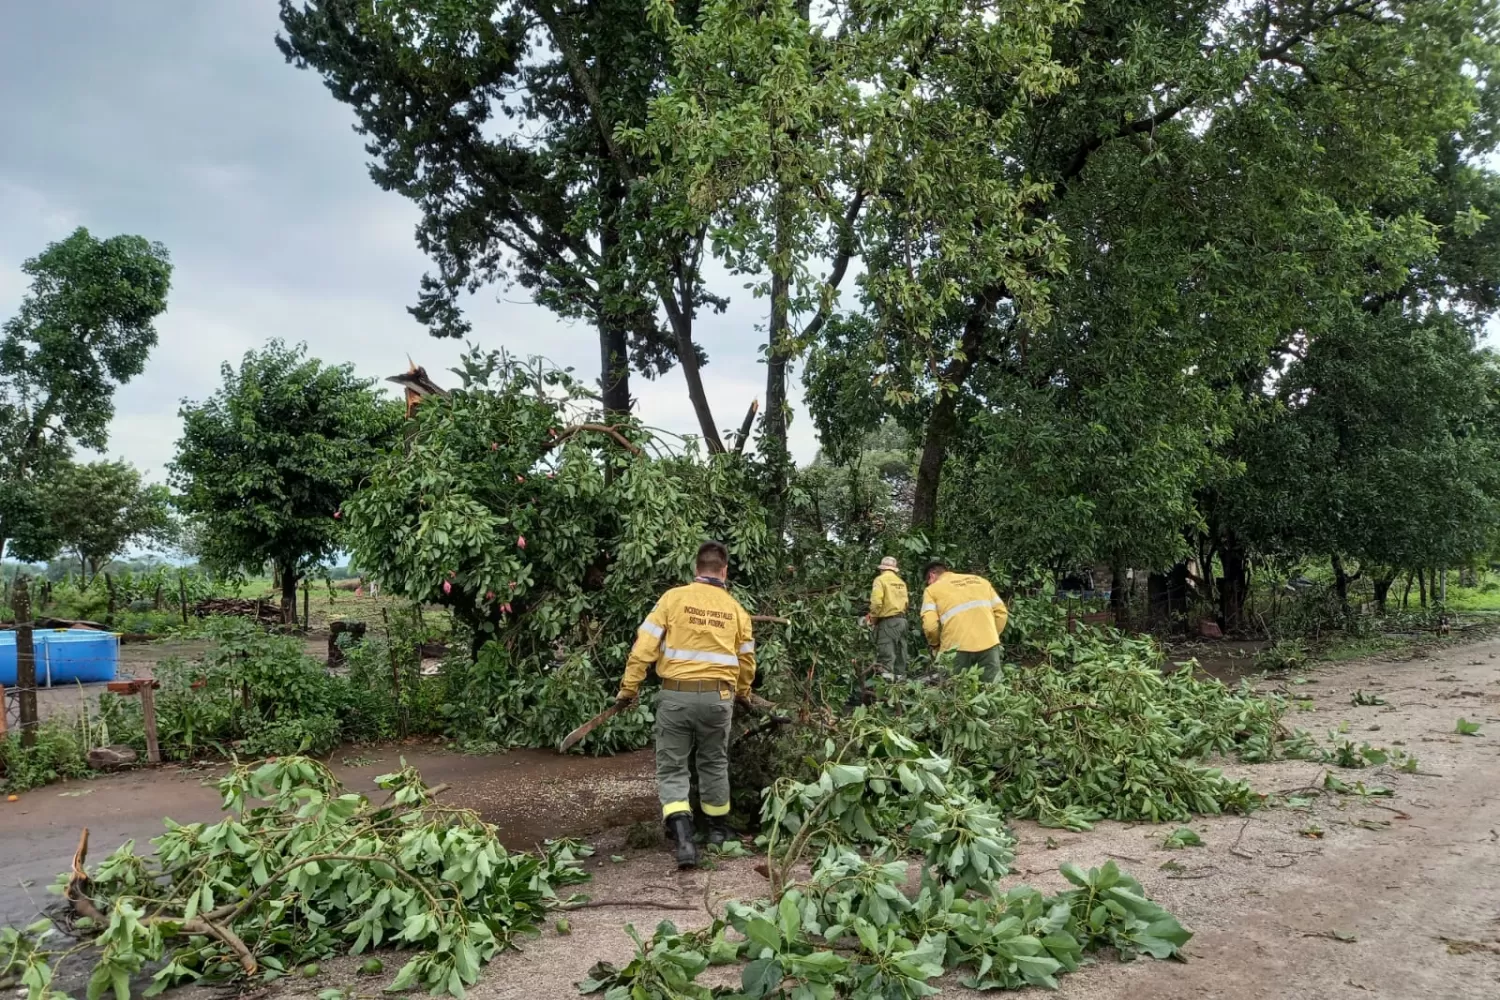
(64, 656)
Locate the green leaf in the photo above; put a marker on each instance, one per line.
(761, 977)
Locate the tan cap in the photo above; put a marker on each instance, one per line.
(889, 562)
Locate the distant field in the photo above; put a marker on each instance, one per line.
(340, 605)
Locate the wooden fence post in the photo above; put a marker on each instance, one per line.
(25, 663)
(182, 596)
(306, 614)
(148, 716)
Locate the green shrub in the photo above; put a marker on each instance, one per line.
(60, 752)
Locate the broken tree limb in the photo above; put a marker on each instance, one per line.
(575, 429)
(77, 896)
(749, 422)
(772, 619)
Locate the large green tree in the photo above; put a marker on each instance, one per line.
(85, 326)
(1384, 454)
(265, 464)
(798, 135)
(98, 510)
(498, 119)
(1216, 171)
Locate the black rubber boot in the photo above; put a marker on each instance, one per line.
(680, 828)
(718, 832)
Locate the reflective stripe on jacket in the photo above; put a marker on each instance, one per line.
(962, 612)
(888, 596)
(695, 632)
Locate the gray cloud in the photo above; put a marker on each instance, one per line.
(180, 122)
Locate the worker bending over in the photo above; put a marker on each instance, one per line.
(699, 638)
(888, 614)
(961, 611)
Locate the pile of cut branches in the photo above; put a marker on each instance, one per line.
(852, 930)
(1093, 729)
(299, 871)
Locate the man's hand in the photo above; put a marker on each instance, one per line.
(867, 619)
(624, 701)
(744, 704)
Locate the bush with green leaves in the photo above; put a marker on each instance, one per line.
(301, 870)
(256, 693)
(60, 752)
(498, 700)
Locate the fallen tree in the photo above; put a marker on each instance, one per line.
(299, 871)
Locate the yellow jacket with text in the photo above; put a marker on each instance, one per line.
(962, 612)
(695, 632)
(888, 596)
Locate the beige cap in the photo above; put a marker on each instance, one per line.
(889, 562)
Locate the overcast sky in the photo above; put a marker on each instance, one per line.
(179, 121)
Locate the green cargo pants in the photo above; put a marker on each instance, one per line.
(988, 660)
(688, 721)
(890, 645)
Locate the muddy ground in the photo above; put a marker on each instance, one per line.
(1398, 897)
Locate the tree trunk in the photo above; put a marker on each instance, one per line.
(1382, 585)
(773, 447)
(1422, 587)
(679, 310)
(1236, 585)
(1406, 594)
(941, 424)
(1341, 582)
(25, 665)
(288, 573)
(614, 335)
(1117, 585)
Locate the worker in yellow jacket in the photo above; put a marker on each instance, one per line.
(962, 612)
(888, 600)
(699, 639)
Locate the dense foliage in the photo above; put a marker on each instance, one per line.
(265, 463)
(255, 694)
(99, 509)
(85, 327)
(548, 535)
(852, 929)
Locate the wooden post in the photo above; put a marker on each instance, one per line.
(395, 672)
(25, 663)
(3, 724)
(306, 614)
(148, 716)
(182, 596)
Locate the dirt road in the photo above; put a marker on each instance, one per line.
(1272, 907)
(1397, 898)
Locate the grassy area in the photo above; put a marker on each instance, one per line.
(1342, 649)
(340, 605)
(1485, 597)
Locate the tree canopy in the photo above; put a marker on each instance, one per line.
(1100, 268)
(85, 326)
(98, 510)
(265, 464)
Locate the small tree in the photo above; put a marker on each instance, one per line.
(265, 464)
(85, 326)
(98, 510)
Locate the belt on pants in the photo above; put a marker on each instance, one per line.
(672, 684)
